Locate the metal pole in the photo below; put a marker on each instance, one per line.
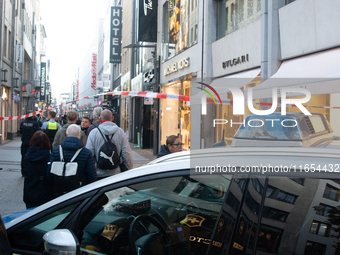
(1, 58)
(13, 66)
(156, 107)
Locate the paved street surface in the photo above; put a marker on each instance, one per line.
(11, 182)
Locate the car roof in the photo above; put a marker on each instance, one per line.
(290, 157)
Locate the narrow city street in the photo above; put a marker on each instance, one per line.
(11, 182)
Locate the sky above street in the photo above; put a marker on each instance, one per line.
(70, 26)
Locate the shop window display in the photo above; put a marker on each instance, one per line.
(175, 115)
(180, 19)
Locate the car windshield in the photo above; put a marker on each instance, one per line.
(269, 128)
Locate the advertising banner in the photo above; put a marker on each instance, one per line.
(147, 26)
(43, 81)
(94, 70)
(116, 35)
(77, 89)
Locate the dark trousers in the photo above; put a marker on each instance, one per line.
(24, 146)
(23, 153)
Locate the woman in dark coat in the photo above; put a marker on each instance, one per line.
(173, 144)
(37, 189)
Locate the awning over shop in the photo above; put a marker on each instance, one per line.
(319, 73)
(238, 80)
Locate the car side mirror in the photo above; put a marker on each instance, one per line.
(60, 241)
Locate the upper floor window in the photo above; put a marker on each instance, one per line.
(319, 228)
(235, 14)
(298, 180)
(331, 193)
(180, 26)
(323, 210)
(281, 195)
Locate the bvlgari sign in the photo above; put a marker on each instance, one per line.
(235, 61)
(181, 64)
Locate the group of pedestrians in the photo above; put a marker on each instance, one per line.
(96, 150)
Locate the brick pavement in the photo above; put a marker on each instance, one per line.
(11, 182)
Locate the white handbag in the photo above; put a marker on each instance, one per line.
(61, 168)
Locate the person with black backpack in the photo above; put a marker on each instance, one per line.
(72, 165)
(110, 147)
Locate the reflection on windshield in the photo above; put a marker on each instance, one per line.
(281, 216)
(265, 127)
(186, 206)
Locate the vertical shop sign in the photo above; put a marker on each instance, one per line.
(94, 71)
(43, 81)
(18, 53)
(147, 26)
(77, 89)
(116, 35)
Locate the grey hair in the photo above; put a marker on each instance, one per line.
(97, 111)
(73, 130)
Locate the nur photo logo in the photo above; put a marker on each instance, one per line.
(239, 100)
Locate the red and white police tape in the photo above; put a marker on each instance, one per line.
(23, 116)
(161, 96)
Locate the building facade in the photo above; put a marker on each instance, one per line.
(22, 51)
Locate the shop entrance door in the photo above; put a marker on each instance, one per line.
(147, 127)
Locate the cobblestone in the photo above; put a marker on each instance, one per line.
(11, 182)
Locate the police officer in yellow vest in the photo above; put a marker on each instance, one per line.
(51, 127)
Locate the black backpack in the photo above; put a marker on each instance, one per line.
(108, 155)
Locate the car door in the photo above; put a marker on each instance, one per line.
(186, 207)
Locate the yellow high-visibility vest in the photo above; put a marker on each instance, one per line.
(52, 125)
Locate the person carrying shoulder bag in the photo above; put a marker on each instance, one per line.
(71, 156)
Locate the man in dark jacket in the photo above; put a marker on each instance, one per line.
(61, 134)
(86, 169)
(96, 114)
(27, 129)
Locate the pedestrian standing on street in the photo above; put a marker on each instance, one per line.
(96, 114)
(109, 131)
(51, 127)
(27, 128)
(37, 189)
(173, 144)
(85, 124)
(115, 118)
(61, 134)
(70, 145)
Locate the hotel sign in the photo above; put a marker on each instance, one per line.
(116, 35)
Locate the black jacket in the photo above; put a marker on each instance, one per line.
(27, 129)
(93, 126)
(86, 169)
(164, 151)
(36, 191)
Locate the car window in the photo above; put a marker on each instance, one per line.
(271, 220)
(30, 236)
(186, 206)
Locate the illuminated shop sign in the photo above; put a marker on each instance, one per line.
(181, 64)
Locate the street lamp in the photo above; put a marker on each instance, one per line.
(156, 105)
